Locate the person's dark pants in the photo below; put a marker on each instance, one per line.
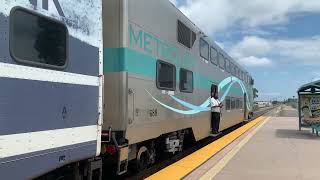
(215, 122)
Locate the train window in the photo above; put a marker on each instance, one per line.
(166, 76)
(227, 65)
(232, 68)
(233, 103)
(252, 81)
(241, 104)
(221, 61)
(193, 38)
(204, 49)
(214, 56)
(237, 103)
(186, 81)
(228, 103)
(38, 40)
(185, 35)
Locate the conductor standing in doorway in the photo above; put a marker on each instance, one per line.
(215, 111)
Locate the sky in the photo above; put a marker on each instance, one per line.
(278, 42)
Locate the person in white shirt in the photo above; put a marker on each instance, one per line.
(215, 112)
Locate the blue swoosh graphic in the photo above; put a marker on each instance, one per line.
(194, 109)
(190, 112)
(202, 107)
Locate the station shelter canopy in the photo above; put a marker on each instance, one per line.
(309, 104)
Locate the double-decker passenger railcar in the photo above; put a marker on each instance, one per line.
(159, 69)
(51, 94)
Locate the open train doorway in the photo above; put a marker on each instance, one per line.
(215, 105)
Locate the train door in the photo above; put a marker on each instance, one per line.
(214, 89)
(245, 105)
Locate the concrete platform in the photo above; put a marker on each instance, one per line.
(273, 150)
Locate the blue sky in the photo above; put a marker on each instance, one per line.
(277, 41)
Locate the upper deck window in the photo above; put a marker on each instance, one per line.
(214, 56)
(227, 65)
(204, 49)
(185, 35)
(166, 76)
(221, 61)
(231, 68)
(37, 40)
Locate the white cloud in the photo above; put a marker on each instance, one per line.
(301, 51)
(218, 15)
(316, 75)
(251, 16)
(251, 46)
(255, 61)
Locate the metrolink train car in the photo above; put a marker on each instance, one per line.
(140, 66)
(159, 69)
(50, 87)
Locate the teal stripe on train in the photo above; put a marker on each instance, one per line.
(129, 60)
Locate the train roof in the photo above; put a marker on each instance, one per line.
(206, 37)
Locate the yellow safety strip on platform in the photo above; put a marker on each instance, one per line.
(183, 167)
(224, 161)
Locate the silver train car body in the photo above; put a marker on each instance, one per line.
(67, 65)
(140, 37)
(51, 90)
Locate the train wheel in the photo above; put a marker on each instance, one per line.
(143, 159)
(249, 116)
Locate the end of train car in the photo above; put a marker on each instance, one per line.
(51, 93)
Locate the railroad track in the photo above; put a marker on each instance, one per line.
(166, 162)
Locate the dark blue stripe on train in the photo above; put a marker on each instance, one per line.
(29, 106)
(35, 164)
